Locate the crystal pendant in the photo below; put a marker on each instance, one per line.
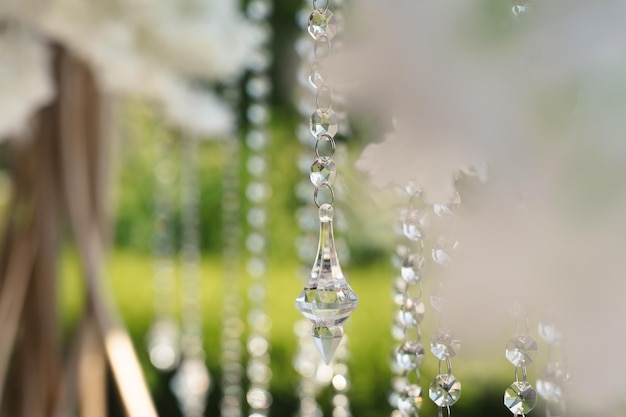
(520, 398)
(410, 355)
(191, 386)
(521, 349)
(322, 23)
(444, 346)
(327, 300)
(410, 399)
(445, 390)
(324, 122)
(411, 269)
(163, 344)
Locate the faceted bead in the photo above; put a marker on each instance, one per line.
(326, 213)
(443, 249)
(437, 301)
(412, 312)
(410, 355)
(550, 384)
(413, 224)
(549, 332)
(322, 23)
(521, 349)
(520, 398)
(191, 385)
(412, 189)
(410, 399)
(324, 123)
(412, 266)
(259, 398)
(327, 339)
(323, 171)
(163, 345)
(443, 345)
(445, 390)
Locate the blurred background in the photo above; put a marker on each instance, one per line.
(136, 140)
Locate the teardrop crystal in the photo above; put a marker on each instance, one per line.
(327, 300)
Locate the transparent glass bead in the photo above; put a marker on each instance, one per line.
(520, 398)
(322, 23)
(324, 123)
(256, 140)
(550, 384)
(258, 87)
(163, 345)
(521, 7)
(442, 250)
(191, 385)
(259, 9)
(411, 269)
(323, 171)
(412, 312)
(259, 398)
(443, 345)
(521, 350)
(549, 332)
(410, 355)
(445, 390)
(414, 223)
(437, 301)
(412, 190)
(410, 399)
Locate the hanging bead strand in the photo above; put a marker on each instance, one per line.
(445, 389)
(258, 190)
(520, 397)
(327, 300)
(552, 383)
(192, 380)
(163, 337)
(232, 326)
(407, 397)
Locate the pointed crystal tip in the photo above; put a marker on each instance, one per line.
(327, 340)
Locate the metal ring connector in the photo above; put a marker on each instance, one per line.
(331, 142)
(317, 189)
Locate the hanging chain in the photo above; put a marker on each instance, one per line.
(258, 190)
(552, 383)
(407, 393)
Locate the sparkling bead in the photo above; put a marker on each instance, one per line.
(413, 224)
(258, 87)
(412, 265)
(259, 398)
(521, 349)
(323, 171)
(256, 140)
(191, 385)
(550, 384)
(410, 399)
(410, 355)
(443, 345)
(521, 7)
(437, 301)
(322, 23)
(412, 312)
(163, 345)
(549, 332)
(520, 398)
(445, 390)
(324, 123)
(326, 213)
(443, 249)
(412, 189)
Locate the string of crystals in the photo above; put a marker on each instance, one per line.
(192, 381)
(445, 389)
(520, 397)
(163, 336)
(553, 381)
(258, 89)
(408, 356)
(326, 300)
(232, 326)
(307, 361)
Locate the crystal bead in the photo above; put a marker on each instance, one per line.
(442, 250)
(259, 9)
(549, 332)
(259, 398)
(324, 123)
(410, 399)
(520, 398)
(443, 345)
(521, 7)
(445, 390)
(191, 385)
(437, 301)
(258, 87)
(323, 171)
(412, 265)
(256, 140)
(327, 300)
(410, 355)
(412, 190)
(322, 23)
(413, 224)
(550, 384)
(412, 312)
(521, 349)
(163, 345)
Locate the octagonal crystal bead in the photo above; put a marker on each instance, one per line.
(412, 312)
(324, 122)
(410, 355)
(445, 390)
(521, 349)
(520, 398)
(322, 23)
(410, 399)
(323, 171)
(444, 345)
(411, 269)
